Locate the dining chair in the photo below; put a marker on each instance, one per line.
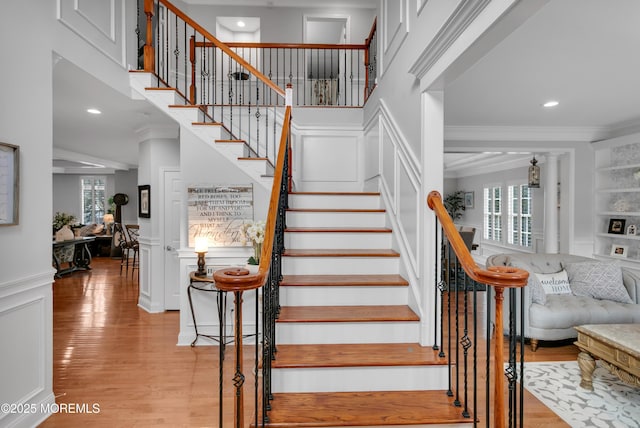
(121, 239)
(133, 232)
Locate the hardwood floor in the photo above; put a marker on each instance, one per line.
(107, 351)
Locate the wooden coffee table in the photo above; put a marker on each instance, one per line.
(617, 346)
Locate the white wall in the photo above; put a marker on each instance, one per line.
(203, 166)
(283, 25)
(26, 274)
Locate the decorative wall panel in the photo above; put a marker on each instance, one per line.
(394, 29)
(329, 158)
(100, 23)
(389, 163)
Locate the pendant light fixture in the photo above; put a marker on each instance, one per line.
(534, 173)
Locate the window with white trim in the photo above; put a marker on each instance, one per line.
(93, 198)
(519, 215)
(493, 213)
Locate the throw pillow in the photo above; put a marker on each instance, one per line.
(554, 283)
(598, 280)
(536, 290)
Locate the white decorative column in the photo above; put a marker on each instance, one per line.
(432, 157)
(550, 178)
(158, 148)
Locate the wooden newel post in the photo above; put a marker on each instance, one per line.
(498, 358)
(149, 53)
(238, 280)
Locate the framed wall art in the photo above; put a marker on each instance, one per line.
(144, 201)
(9, 184)
(468, 199)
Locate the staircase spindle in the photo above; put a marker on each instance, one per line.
(466, 272)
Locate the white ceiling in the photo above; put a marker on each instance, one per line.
(108, 139)
(583, 53)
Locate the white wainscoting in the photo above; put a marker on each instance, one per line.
(26, 326)
(99, 23)
(328, 159)
(395, 29)
(400, 185)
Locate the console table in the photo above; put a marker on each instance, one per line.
(207, 284)
(75, 252)
(616, 345)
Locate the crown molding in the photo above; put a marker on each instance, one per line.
(99, 164)
(525, 133)
(459, 20)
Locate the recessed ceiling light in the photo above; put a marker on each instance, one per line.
(93, 111)
(240, 24)
(550, 104)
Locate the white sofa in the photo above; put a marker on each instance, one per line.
(553, 316)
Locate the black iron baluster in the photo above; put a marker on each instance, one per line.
(488, 362)
(466, 344)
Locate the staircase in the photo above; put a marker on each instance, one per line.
(191, 117)
(348, 351)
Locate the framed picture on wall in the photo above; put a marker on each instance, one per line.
(144, 201)
(9, 190)
(468, 199)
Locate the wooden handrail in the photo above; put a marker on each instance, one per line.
(148, 8)
(372, 31)
(234, 279)
(499, 277)
(294, 46)
(496, 276)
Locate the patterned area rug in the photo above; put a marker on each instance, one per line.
(612, 403)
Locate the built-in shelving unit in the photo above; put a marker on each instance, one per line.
(617, 184)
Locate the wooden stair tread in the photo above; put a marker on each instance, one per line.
(369, 408)
(341, 253)
(344, 280)
(336, 210)
(339, 229)
(337, 193)
(347, 313)
(356, 355)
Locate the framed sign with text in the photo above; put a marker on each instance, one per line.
(9, 189)
(218, 213)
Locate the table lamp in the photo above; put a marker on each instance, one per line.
(202, 245)
(108, 221)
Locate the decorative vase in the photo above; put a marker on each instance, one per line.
(64, 234)
(252, 268)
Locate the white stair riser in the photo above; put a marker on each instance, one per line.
(207, 132)
(343, 296)
(258, 166)
(340, 265)
(335, 201)
(296, 333)
(343, 379)
(327, 240)
(187, 115)
(335, 219)
(231, 150)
